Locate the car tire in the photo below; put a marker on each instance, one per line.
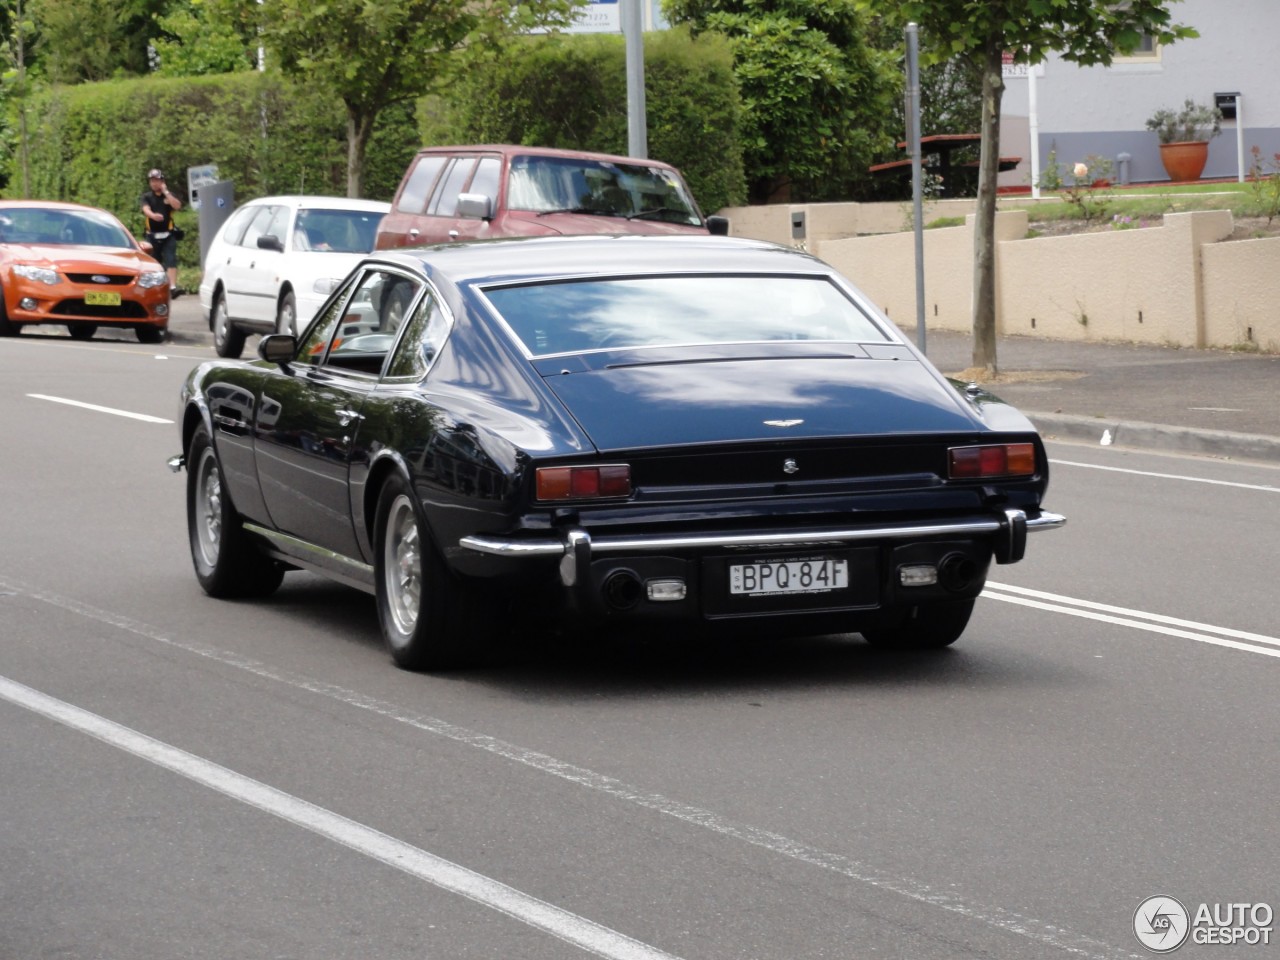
(923, 627)
(430, 618)
(228, 340)
(149, 334)
(287, 315)
(82, 331)
(227, 564)
(7, 327)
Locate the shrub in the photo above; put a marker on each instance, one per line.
(1193, 122)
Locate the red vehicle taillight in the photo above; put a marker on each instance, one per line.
(584, 483)
(997, 460)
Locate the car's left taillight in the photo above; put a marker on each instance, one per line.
(609, 481)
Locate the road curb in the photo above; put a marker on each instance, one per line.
(1157, 436)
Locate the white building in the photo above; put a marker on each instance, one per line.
(1104, 110)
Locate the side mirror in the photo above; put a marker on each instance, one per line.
(270, 242)
(718, 226)
(278, 348)
(475, 206)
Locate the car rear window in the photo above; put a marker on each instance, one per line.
(584, 315)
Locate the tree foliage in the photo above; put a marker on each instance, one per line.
(86, 40)
(373, 53)
(201, 37)
(1087, 32)
(816, 96)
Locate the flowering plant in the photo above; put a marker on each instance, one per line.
(1195, 121)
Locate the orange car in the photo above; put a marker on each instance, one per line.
(77, 266)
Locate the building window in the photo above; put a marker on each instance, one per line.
(1147, 51)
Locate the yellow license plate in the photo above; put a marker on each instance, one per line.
(102, 298)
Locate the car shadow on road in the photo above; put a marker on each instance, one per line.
(542, 663)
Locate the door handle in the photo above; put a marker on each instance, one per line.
(453, 234)
(346, 416)
(413, 231)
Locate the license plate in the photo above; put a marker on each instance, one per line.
(102, 298)
(765, 578)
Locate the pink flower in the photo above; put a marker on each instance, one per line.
(1081, 170)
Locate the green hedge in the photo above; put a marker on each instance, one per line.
(93, 143)
(571, 91)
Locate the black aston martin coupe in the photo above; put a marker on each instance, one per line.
(595, 430)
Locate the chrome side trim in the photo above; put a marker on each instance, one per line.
(504, 547)
(354, 573)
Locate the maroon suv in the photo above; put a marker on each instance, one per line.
(473, 193)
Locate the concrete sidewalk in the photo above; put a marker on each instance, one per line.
(1208, 402)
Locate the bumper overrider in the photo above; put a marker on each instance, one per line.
(946, 558)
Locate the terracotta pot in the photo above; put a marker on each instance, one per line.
(1184, 160)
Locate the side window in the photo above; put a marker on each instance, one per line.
(445, 202)
(368, 321)
(236, 223)
(258, 226)
(418, 187)
(426, 334)
(486, 179)
(279, 225)
(311, 350)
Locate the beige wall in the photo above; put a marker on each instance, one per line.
(1242, 294)
(1179, 284)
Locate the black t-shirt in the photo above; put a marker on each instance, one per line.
(157, 203)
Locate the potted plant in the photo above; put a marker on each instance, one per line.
(1184, 138)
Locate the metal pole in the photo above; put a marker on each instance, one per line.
(633, 29)
(1034, 118)
(1240, 135)
(917, 173)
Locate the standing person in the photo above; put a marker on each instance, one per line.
(158, 205)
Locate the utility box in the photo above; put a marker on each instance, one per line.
(1226, 102)
(797, 224)
(217, 200)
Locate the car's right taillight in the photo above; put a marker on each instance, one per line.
(991, 460)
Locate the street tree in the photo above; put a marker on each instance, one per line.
(374, 53)
(817, 97)
(1087, 32)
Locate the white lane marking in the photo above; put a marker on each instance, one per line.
(372, 843)
(1136, 624)
(93, 406)
(1139, 614)
(1041, 932)
(1166, 476)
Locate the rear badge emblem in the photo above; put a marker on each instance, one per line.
(782, 423)
(790, 466)
(99, 278)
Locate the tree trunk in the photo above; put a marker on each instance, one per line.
(359, 128)
(984, 246)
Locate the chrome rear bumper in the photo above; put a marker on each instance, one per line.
(1008, 529)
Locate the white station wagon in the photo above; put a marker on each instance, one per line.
(275, 260)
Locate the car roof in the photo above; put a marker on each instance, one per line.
(307, 201)
(533, 258)
(511, 149)
(51, 205)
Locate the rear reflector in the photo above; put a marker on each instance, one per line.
(609, 481)
(997, 460)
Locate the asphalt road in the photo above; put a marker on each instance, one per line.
(184, 777)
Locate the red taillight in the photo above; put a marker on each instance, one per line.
(997, 460)
(584, 483)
